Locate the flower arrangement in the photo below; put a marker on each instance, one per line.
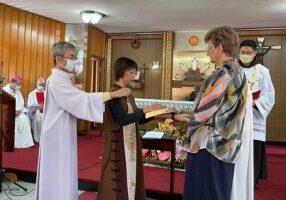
(167, 127)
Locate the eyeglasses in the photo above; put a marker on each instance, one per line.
(246, 53)
(133, 72)
(72, 58)
(212, 47)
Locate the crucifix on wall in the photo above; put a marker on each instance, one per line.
(262, 49)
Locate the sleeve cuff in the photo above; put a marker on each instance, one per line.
(106, 96)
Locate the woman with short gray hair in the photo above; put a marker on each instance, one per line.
(219, 141)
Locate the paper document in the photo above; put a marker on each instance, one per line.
(153, 135)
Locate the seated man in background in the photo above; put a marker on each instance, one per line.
(35, 105)
(23, 135)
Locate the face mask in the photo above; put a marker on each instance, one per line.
(78, 70)
(40, 88)
(70, 66)
(18, 87)
(245, 59)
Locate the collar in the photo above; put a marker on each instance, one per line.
(10, 89)
(62, 74)
(252, 64)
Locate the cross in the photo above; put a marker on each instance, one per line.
(262, 49)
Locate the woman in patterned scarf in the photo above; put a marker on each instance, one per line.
(220, 130)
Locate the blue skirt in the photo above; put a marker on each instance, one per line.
(207, 178)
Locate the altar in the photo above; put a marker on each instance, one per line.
(179, 106)
(157, 157)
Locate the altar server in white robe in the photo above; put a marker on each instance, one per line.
(57, 177)
(242, 183)
(23, 135)
(263, 94)
(35, 105)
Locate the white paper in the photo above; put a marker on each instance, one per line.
(153, 135)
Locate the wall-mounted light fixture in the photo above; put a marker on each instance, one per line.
(90, 16)
(156, 65)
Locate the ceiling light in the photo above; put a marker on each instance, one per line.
(90, 16)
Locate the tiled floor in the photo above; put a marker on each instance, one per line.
(13, 192)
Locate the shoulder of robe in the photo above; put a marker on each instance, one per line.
(32, 92)
(262, 68)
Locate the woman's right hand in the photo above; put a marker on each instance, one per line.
(152, 108)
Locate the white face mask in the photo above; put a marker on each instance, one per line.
(18, 87)
(78, 70)
(70, 66)
(40, 88)
(245, 59)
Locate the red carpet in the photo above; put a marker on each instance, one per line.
(88, 196)
(156, 180)
(275, 186)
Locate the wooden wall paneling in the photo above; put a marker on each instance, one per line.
(40, 46)
(58, 28)
(13, 46)
(122, 48)
(46, 47)
(261, 32)
(51, 42)
(1, 29)
(153, 52)
(282, 95)
(27, 54)
(103, 66)
(132, 36)
(87, 62)
(21, 43)
(97, 39)
(272, 60)
(95, 47)
(25, 41)
(62, 31)
(149, 51)
(34, 53)
(6, 43)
